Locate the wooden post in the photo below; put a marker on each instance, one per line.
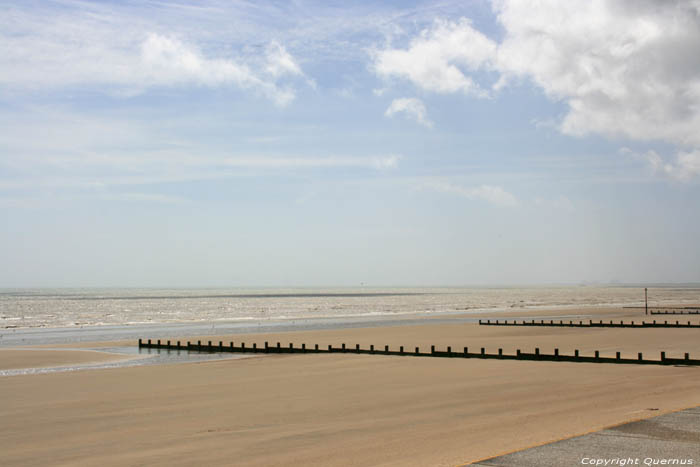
(663, 356)
(576, 353)
(417, 350)
(432, 349)
(483, 351)
(466, 350)
(639, 356)
(617, 355)
(386, 349)
(329, 347)
(371, 348)
(646, 302)
(140, 343)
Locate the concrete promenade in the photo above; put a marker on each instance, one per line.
(671, 439)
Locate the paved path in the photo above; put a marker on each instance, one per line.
(671, 439)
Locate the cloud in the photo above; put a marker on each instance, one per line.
(280, 62)
(490, 193)
(626, 69)
(685, 167)
(439, 58)
(411, 107)
(124, 56)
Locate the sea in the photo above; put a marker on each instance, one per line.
(60, 308)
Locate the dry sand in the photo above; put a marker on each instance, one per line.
(346, 409)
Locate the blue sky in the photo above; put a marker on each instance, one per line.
(225, 143)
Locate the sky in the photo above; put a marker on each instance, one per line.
(321, 143)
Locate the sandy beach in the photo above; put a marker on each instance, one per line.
(342, 409)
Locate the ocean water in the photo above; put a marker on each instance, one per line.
(59, 308)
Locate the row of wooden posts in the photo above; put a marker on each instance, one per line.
(589, 324)
(693, 311)
(447, 353)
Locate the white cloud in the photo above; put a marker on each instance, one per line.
(626, 69)
(280, 62)
(125, 56)
(685, 167)
(410, 106)
(439, 58)
(490, 193)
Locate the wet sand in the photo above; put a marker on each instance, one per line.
(11, 359)
(347, 409)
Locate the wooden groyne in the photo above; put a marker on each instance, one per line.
(669, 310)
(691, 311)
(589, 324)
(405, 352)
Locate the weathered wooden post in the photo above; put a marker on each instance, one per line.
(371, 348)
(401, 350)
(330, 348)
(417, 351)
(646, 302)
(466, 351)
(386, 349)
(432, 349)
(639, 356)
(483, 351)
(449, 351)
(140, 343)
(597, 355)
(663, 356)
(537, 351)
(576, 353)
(617, 355)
